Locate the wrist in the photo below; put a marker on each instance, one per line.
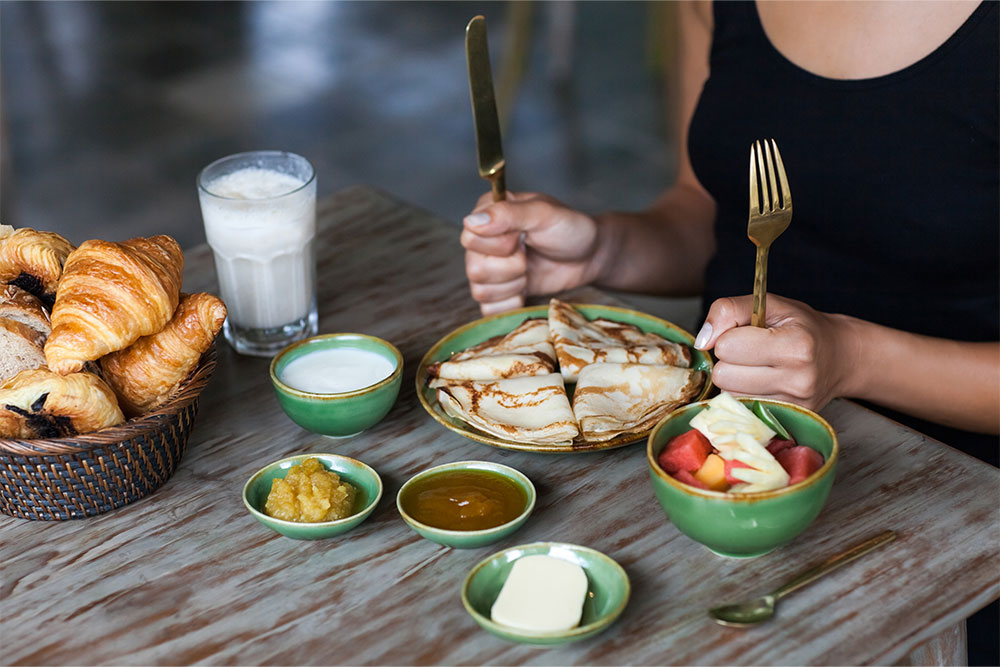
(853, 354)
(607, 241)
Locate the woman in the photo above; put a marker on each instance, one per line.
(886, 115)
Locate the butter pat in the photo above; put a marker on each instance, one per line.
(541, 594)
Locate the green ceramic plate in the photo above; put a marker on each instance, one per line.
(498, 325)
(608, 591)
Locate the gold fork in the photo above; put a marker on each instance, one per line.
(767, 222)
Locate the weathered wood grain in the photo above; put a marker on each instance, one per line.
(187, 576)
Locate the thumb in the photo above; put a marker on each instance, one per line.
(520, 212)
(725, 314)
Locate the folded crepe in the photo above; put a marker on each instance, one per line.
(524, 351)
(615, 398)
(531, 409)
(580, 342)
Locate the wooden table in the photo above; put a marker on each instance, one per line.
(186, 575)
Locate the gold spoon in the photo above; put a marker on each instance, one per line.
(758, 610)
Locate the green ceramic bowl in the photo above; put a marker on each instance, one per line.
(471, 539)
(359, 475)
(607, 593)
(345, 414)
(744, 525)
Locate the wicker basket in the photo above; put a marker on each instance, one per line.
(85, 475)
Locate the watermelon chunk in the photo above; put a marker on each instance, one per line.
(733, 463)
(686, 451)
(799, 462)
(688, 478)
(779, 445)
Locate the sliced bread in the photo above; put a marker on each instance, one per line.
(22, 306)
(21, 348)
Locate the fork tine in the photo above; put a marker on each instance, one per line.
(754, 202)
(786, 193)
(763, 168)
(769, 170)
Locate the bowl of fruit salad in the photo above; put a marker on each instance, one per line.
(742, 476)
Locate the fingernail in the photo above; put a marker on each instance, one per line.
(477, 219)
(703, 336)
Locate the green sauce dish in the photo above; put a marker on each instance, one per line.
(608, 591)
(459, 492)
(745, 525)
(363, 478)
(338, 414)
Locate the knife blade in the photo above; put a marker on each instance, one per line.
(484, 108)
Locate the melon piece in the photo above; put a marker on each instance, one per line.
(713, 473)
(779, 445)
(728, 470)
(686, 451)
(689, 479)
(799, 462)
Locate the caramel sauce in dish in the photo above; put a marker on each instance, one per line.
(464, 500)
(336, 370)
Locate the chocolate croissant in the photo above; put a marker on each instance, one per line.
(33, 260)
(42, 404)
(110, 295)
(146, 373)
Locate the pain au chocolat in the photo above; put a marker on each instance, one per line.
(33, 260)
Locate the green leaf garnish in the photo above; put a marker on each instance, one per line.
(770, 420)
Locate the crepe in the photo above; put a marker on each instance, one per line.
(616, 398)
(531, 409)
(579, 342)
(524, 351)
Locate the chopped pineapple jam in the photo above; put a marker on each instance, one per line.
(310, 493)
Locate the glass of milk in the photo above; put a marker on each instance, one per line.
(259, 210)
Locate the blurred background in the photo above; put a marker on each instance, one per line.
(108, 110)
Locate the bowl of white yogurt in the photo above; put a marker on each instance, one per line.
(337, 384)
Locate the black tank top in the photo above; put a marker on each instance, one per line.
(895, 180)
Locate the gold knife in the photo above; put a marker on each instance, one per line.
(484, 108)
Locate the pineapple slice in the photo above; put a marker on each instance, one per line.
(737, 434)
(725, 416)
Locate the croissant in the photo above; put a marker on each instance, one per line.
(32, 260)
(110, 295)
(146, 373)
(42, 404)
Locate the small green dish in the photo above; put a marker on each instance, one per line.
(362, 477)
(470, 539)
(608, 591)
(344, 414)
(745, 525)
